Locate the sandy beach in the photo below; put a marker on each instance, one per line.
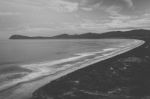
(25, 90)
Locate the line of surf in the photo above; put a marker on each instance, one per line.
(48, 68)
(63, 72)
(44, 69)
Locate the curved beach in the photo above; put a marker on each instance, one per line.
(24, 90)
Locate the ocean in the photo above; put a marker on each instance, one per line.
(26, 60)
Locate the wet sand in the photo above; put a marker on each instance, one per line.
(25, 90)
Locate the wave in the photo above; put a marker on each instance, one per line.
(78, 61)
(50, 67)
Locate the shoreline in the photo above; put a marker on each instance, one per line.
(27, 88)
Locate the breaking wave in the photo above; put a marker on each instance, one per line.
(41, 69)
(37, 70)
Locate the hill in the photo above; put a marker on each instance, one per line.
(135, 34)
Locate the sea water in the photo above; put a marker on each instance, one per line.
(25, 60)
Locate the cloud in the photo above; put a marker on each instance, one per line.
(127, 22)
(129, 3)
(57, 5)
(63, 6)
(89, 2)
(116, 22)
(43, 12)
(87, 5)
(91, 8)
(105, 2)
(8, 13)
(113, 10)
(37, 29)
(72, 5)
(87, 9)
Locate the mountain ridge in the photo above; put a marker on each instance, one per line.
(135, 34)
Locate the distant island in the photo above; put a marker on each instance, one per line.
(138, 34)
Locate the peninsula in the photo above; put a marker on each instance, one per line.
(138, 34)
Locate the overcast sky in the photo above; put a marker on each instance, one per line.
(51, 17)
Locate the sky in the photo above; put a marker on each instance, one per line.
(53, 17)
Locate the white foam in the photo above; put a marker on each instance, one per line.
(109, 49)
(51, 63)
(45, 68)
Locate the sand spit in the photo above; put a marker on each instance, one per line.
(25, 90)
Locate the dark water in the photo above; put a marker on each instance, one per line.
(23, 60)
